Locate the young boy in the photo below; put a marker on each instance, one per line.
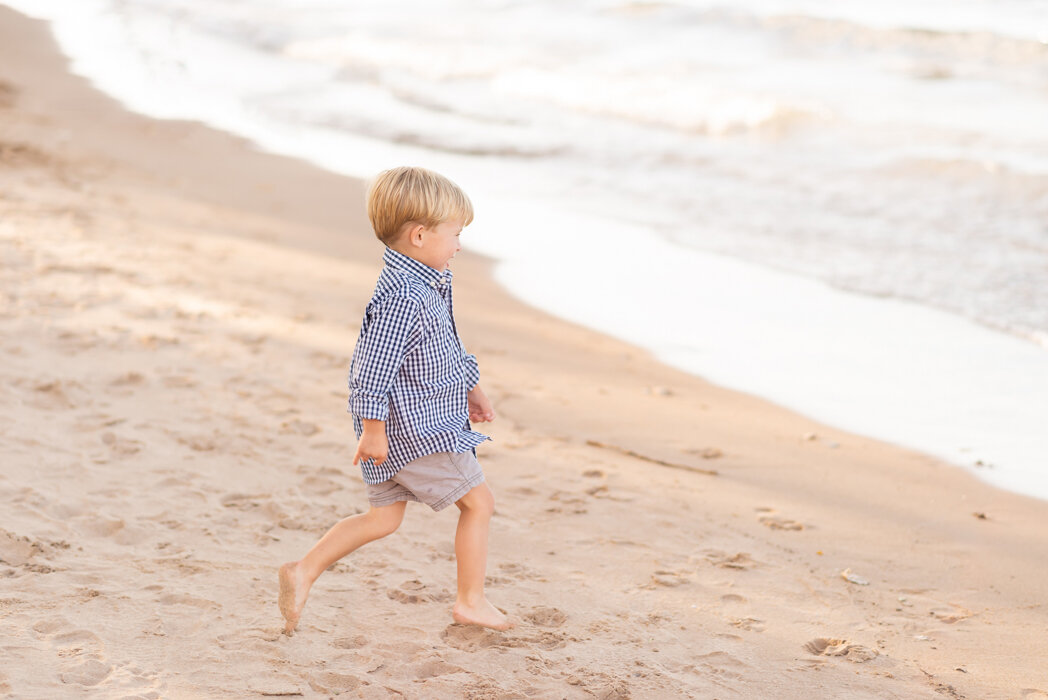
(413, 391)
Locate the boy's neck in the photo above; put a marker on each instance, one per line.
(408, 251)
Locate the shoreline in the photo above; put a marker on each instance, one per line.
(889, 369)
(257, 267)
(932, 380)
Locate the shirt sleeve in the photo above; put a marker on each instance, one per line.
(391, 330)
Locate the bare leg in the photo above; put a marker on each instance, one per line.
(471, 553)
(297, 577)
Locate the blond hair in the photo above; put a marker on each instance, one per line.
(409, 195)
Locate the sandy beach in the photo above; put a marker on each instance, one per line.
(179, 311)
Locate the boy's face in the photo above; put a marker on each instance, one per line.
(437, 246)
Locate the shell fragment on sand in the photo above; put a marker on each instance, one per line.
(848, 576)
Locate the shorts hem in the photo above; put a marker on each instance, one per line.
(460, 491)
(382, 502)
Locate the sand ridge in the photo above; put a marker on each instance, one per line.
(174, 356)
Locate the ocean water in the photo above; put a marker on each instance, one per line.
(838, 205)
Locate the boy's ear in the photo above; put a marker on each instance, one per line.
(415, 235)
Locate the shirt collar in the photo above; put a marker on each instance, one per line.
(420, 270)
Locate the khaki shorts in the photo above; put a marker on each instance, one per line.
(438, 480)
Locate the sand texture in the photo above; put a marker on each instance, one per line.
(178, 314)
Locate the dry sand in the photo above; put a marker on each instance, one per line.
(178, 315)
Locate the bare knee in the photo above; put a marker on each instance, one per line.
(479, 501)
(385, 520)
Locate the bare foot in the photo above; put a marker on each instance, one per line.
(484, 614)
(293, 594)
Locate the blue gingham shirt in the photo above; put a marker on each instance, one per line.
(410, 369)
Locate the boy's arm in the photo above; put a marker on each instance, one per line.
(480, 408)
(391, 332)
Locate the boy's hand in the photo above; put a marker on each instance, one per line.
(373, 443)
(480, 409)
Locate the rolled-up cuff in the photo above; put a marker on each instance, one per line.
(369, 406)
(472, 371)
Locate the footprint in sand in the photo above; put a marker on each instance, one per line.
(17, 550)
(572, 503)
(600, 491)
(856, 653)
(414, 591)
(275, 684)
(493, 580)
(20, 551)
(82, 652)
(333, 683)
(103, 525)
(739, 560)
(600, 685)
(402, 652)
(604, 627)
(750, 624)
(769, 518)
(546, 617)
(951, 615)
(547, 640)
(668, 579)
(518, 572)
(356, 642)
(44, 628)
(434, 668)
(718, 664)
(90, 672)
(469, 638)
